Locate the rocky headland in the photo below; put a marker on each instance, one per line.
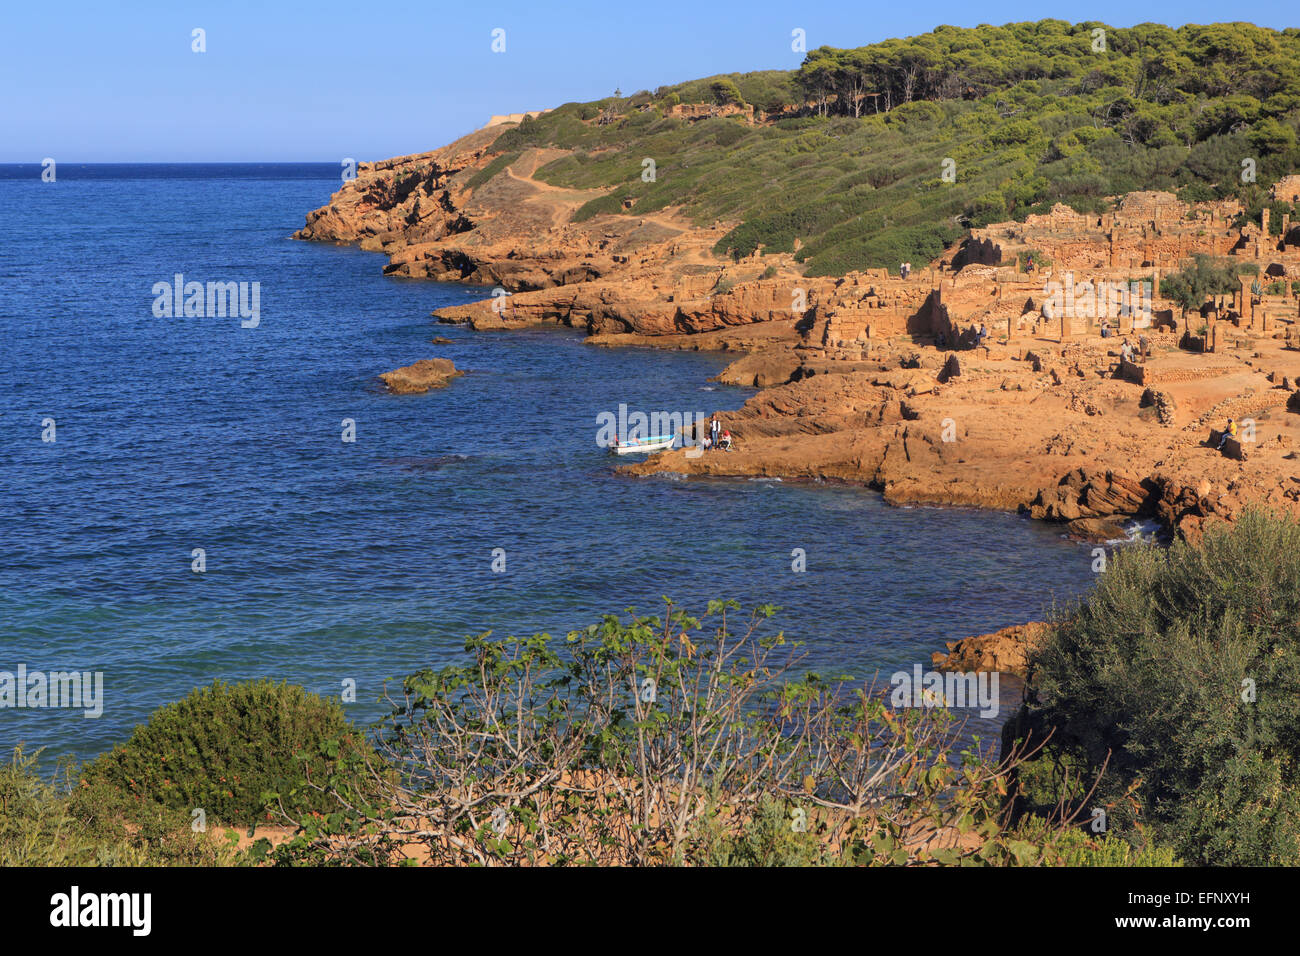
(880, 379)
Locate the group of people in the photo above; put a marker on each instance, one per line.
(718, 436)
(905, 269)
(1126, 351)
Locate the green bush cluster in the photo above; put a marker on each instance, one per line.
(1207, 276)
(48, 822)
(230, 749)
(491, 169)
(1179, 677)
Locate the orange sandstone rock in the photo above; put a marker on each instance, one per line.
(420, 377)
(1005, 650)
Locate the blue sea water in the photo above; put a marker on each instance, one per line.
(329, 561)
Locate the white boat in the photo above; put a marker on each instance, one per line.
(643, 446)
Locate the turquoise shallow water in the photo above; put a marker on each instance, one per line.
(329, 561)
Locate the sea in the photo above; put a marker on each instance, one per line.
(180, 500)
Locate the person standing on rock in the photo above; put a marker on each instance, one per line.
(715, 426)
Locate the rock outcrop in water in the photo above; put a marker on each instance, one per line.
(1006, 650)
(860, 381)
(420, 377)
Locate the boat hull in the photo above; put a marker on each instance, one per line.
(645, 446)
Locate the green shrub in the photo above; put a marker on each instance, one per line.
(1180, 675)
(1206, 276)
(35, 826)
(767, 840)
(600, 206)
(491, 169)
(40, 825)
(663, 740)
(1080, 847)
(228, 749)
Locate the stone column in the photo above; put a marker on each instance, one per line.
(1155, 294)
(1247, 310)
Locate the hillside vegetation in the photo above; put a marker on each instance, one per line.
(1029, 114)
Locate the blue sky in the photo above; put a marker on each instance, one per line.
(280, 81)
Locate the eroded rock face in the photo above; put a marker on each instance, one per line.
(420, 377)
(761, 369)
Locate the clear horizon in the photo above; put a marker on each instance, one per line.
(299, 85)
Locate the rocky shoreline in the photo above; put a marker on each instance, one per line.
(876, 378)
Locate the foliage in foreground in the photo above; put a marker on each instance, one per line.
(648, 741)
(229, 749)
(1180, 672)
(664, 740)
(41, 824)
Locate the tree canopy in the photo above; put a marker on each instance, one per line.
(879, 154)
